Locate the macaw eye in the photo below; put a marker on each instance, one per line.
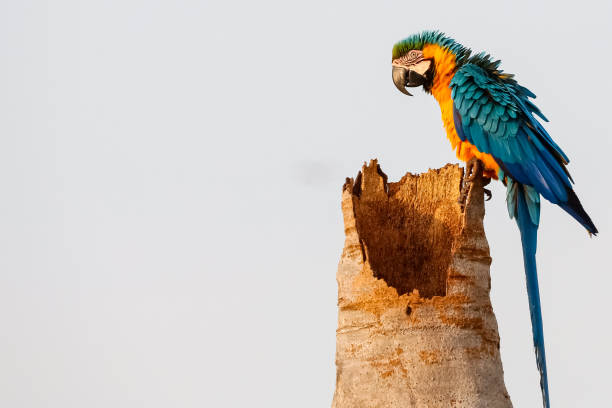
(414, 56)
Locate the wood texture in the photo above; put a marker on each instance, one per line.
(415, 323)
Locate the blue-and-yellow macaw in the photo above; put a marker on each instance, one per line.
(490, 122)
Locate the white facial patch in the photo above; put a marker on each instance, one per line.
(421, 67)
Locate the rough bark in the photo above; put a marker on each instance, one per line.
(415, 322)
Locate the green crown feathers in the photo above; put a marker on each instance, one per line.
(463, 55)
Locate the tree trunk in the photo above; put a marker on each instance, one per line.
(415, 323)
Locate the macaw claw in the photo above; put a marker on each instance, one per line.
(487, 193)
(473, 169)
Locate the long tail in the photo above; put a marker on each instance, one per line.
(524, 206)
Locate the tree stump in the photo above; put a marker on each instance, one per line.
(415, 322)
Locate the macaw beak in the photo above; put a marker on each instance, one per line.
(400, 79)
(412, 76)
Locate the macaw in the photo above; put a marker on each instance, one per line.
(491, 123)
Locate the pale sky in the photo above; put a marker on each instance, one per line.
(170, 180)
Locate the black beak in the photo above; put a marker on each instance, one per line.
(403, 78)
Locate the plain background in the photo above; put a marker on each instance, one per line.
(170, 179)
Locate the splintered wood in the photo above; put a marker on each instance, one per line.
(415, 323)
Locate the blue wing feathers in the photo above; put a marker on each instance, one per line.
(497, 117)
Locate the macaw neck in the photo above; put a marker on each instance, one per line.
(445, 66)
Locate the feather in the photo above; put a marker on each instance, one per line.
(512, 127)
(474, 110)
(498, 110)
(486, 109)
(501, 129)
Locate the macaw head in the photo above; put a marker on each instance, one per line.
(423, 58)
(411, 70)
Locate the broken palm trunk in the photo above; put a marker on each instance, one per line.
(415, 323)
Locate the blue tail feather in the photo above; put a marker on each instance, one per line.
(525, 205)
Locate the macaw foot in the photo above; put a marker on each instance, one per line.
(473, 168)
